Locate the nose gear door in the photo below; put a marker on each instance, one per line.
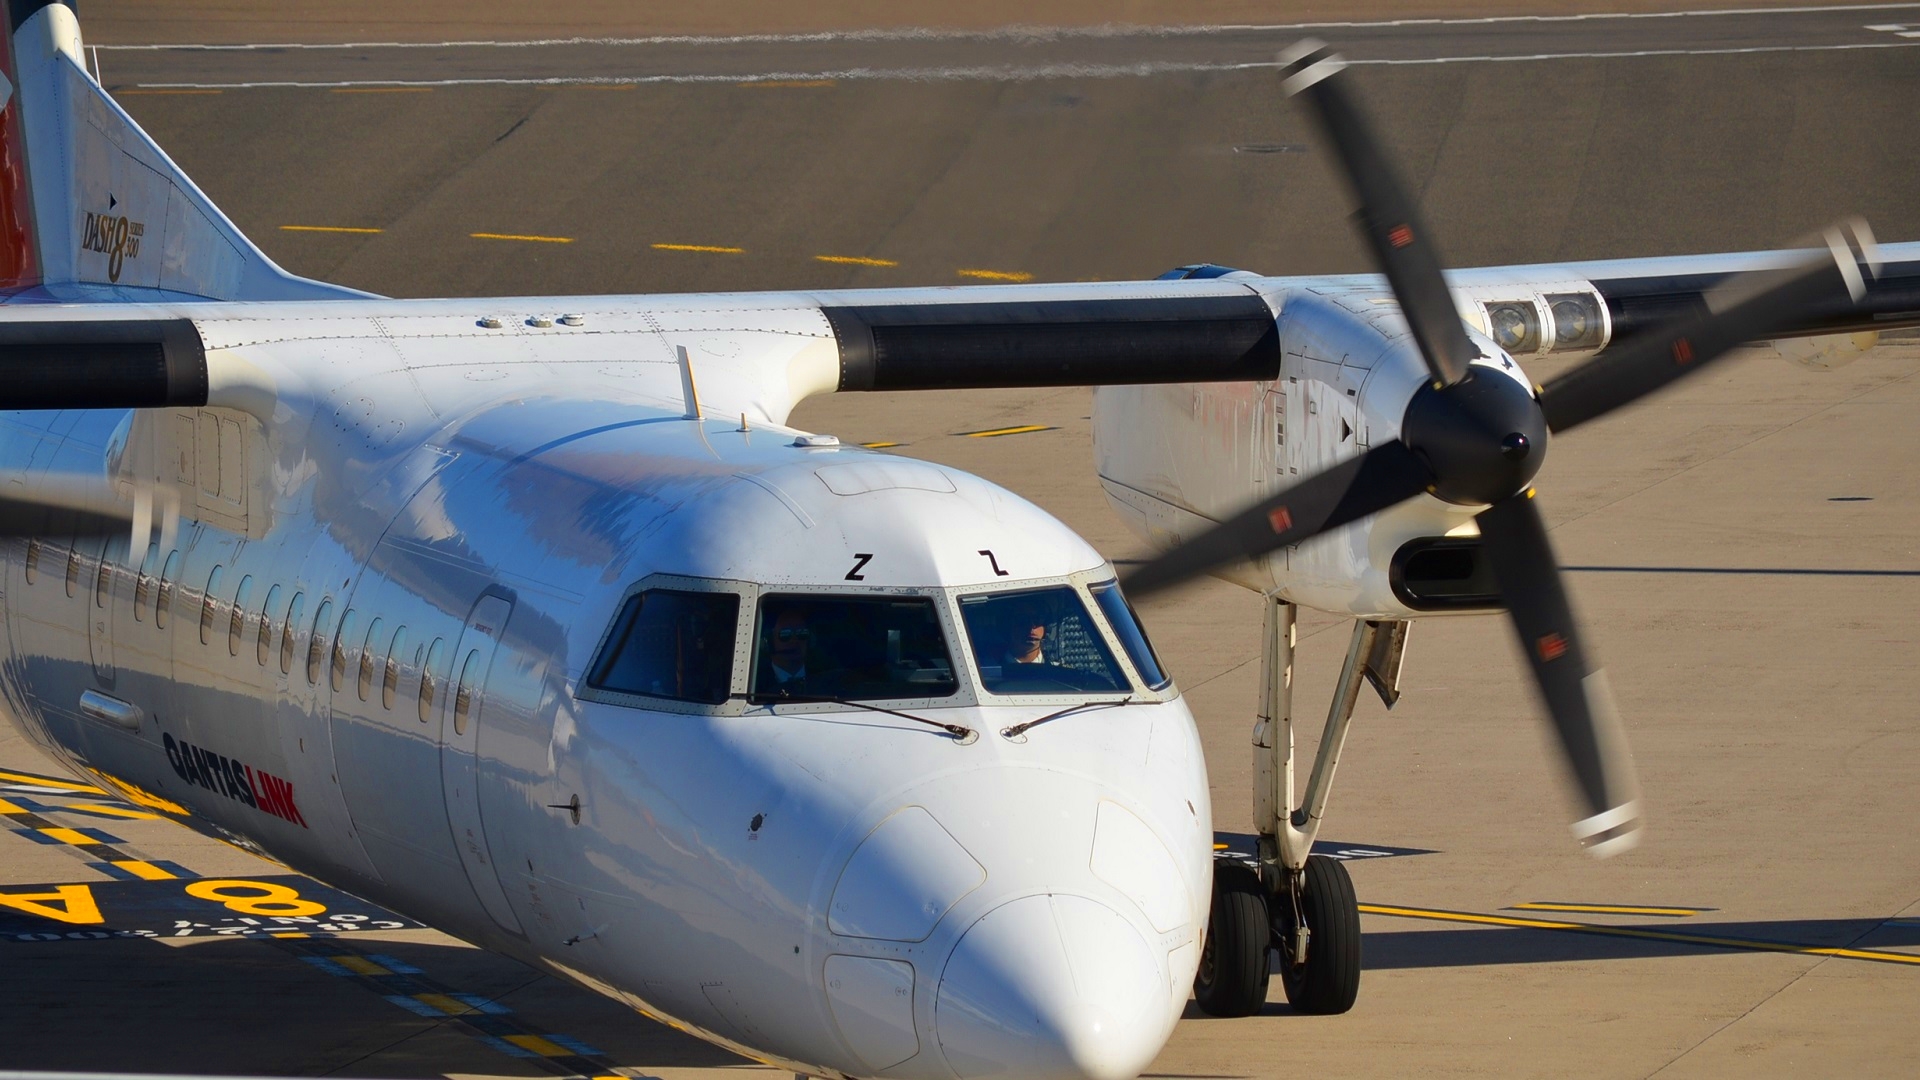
(463, 712)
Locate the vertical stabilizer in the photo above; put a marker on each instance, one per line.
(90, 208)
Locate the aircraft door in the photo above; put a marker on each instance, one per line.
(462, 713)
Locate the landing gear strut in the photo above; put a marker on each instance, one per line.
(1310, 916)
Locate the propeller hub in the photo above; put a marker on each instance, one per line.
(1483, 436)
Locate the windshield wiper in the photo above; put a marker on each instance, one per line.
(958, 731)
(1023, 728)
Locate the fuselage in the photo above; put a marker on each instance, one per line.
(385, 647)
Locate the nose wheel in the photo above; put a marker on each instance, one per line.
(1234, 965)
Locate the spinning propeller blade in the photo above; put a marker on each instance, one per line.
(1347, 492)
(1400, 240)
(1577, 697)
(1475, 437)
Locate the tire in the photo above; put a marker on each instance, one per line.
(1329, 981)
(1232, 980)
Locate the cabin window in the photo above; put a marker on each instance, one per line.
(143, 585)
(33, 560)
(671, 644)
(317, 643)
(289, 628)
(427, 680)
(73, 572)
(208, 605)
(263, 641)
(237, 621)
(390, 685)
(1126, 627)
(103, 581)
(1039, 641)
(337, 677)
(367, 648)
(850, 648)
(169, 580)
(463, 695)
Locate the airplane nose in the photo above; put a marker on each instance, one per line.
(1052, 987)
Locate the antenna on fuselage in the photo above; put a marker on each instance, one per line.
(687, 390)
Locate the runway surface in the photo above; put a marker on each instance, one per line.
(1026, 53)
(1743, 549)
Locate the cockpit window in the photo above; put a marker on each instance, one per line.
(1133, 637)
(669, 644)
(850, 647)
(1039, 641)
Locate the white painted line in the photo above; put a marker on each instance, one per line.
(1017, 33)
(1011, 73)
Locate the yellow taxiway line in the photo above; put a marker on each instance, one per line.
(528, 239)
(1608, 909)
(996, 275)
(1643, 934)
(996, 432)
(711, 249)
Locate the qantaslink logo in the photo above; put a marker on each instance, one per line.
(242, 783)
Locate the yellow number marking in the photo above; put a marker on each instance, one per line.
(76, 904)
(267, 898)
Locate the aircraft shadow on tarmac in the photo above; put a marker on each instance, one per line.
(251, 1007)
(1485, 945)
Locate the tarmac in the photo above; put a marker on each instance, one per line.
(1741, 549)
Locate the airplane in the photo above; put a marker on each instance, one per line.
(533, 619)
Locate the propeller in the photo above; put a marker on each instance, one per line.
(1474, 436)
(79, 506)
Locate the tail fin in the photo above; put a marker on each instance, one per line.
(90, 208)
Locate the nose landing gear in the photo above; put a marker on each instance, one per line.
(1297, 905)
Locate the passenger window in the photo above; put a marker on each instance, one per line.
(1133, 637)
(317, 644)
(33, 559)
(73, 572)
(463, 697)
(668, 644)
(237, 622)
(143, 583)
(263, 644)
(103, 581)
(1039, 641)
(367, 648)
(295, 608)
(169, 580)
(850, 647)
(208, 605)
(390, 686)
(427, 680)
(348, 622)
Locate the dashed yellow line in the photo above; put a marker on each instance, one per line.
(43, 781)
(327, 228)
(711, 249)
(996, 275)
(144, 870)
(996, 432)
(853, 260)
(1643, 934)
(112, 811)
(517, 236)
(382, 90)
(1608, 909)
(879, 445)
(69, 836)
(543, 1047)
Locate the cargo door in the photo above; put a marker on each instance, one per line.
(463, 713)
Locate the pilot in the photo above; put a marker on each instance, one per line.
(786, 668)
(1025, 637)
